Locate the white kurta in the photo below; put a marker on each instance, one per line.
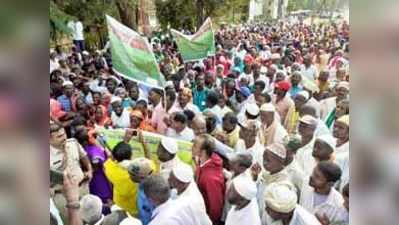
(195, 211)
(314, 103)
(247, 215)
(300, 217)
(332, 206)
(169, 213)
(122, 121)
(321, 129)
(342, 159)
(256, 150)
(304, 158)
(187, 134)
(326, 106)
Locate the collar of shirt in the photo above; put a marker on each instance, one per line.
(160, 208)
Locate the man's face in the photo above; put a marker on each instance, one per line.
(58, 138)
(200, 81)
(227, 126)
(134, 93)
(230, 87)
(323, 76)
(317, 179)
(199, 128)
(342, 93)
(305, 130)
(271, 162)
(183, 98)
(267, 117)
(163, 155)
(117, 107)
(273, 214)
(173, 181)
(279, 92)
(340, 130)
(98, 114)
(178, 126)
(153, 97)
(270, 72)
(342, 109)
(299, 101)
(111, 85)
(135, 122)
(321, 151)
(279, 77)
(258, 90)
(68, 90)
(96, 99)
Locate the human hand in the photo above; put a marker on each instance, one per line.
(70, 188)
(255, 170)
(88, 175)
(323, 219)
(129, 133)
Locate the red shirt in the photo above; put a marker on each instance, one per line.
(212, 186)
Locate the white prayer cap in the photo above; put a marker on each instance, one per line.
(115, 99)
(275, 56)
(183, 173)
(252, 109)
(278, 149)
(305, 94)
(130, 221)
(245, 187)
(310, 120)
(274, 66)
(169, 83)
(344, 119)
(220, 66)
(281, 197)
(263, 69)
(267, 107)
(67, 83)
(91, 208)
(328, 139)
(85, 53)
(169, 144)
(343, 84)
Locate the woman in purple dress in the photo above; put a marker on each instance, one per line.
(99, 185)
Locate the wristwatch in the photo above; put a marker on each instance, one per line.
(73, 205)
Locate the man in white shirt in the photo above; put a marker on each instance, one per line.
(78, 38)
(320, 196)
(282, 208)
(309, 70)
(341, 132)
(181, 179)
(271, 129)
(306, 128)
(179, 128)
(249, 141)
(120, 116)
(167, 155)
(166, 211)
(241, 195)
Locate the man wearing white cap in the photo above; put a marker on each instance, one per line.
(91, 209)
(271, 130)
(282, 208)
(306, 128)
(250, 111)
(341, 132)
(249, 141)
(130, 221)
(66, 99)
(167, 155)
(329, 104)
(245, 209)
(120, 116)
(181, 179)
(274, 164)
(321, 128)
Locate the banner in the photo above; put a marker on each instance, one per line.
(132, 55)
(197, 46)
(114, 136)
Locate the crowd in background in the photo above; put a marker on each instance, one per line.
(268, 117)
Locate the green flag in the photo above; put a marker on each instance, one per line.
(132, 56)
(197, 46)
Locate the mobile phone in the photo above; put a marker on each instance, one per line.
(56, 177)
(134, 133)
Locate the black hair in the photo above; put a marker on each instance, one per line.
(267, 97)
(250, 117)
(141, 101)
(212, 98)
(180, 117)
(122, 151)
(231, 117)
(260, 83)
(208, 144)
(171, 94)
(345, 190)
(82, 136)
(78, 121)
(330, 170)
(157, 91)
(189, 114)
(54, 127)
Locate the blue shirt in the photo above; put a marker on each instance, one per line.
(65, 102)
(295, 90)
(145, 206)
(199, 98)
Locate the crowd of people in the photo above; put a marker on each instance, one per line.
(268, 118)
